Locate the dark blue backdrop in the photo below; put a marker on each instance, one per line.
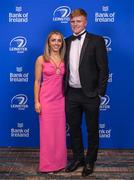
(24, 28)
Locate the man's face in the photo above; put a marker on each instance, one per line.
(78, 24)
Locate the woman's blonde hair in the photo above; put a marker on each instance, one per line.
(47, 47)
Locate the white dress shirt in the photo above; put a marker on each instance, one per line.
(74, 58)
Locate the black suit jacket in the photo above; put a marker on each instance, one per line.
(93, 66)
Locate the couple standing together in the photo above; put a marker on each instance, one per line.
(78, 69)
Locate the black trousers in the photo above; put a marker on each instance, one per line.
(77, 103)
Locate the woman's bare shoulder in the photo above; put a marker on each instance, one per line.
(40, 59)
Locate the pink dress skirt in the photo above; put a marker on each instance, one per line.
(53, 152)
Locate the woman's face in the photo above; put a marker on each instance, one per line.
(55, 42)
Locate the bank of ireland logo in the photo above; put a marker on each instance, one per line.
(20, 131)
(19, 76)
(18, 8)
(104, 132)
(19, 102)
(62, 14)
(105, 16)
(107, 42)
(104, 105)
(18, 44)
(18, 16)
(19, 69)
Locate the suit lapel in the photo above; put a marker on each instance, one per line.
(68, 50)
(84, 47)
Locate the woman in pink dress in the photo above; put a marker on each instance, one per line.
(50, 104)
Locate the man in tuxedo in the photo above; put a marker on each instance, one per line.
(85, 81)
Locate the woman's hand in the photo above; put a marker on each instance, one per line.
(37, 107)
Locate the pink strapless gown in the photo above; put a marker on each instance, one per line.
(53, 153)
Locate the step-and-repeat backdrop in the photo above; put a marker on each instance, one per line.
(24, 26)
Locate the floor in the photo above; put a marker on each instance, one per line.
(22, 163)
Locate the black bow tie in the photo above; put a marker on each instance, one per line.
(77, 37)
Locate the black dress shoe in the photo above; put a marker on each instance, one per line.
(88, 169)
(74, 165)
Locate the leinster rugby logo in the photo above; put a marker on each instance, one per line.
(18, 44)
(62, 14)
(19, 102)
(107, 42)
(104, 105)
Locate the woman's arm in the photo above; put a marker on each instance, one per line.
(38, 74)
